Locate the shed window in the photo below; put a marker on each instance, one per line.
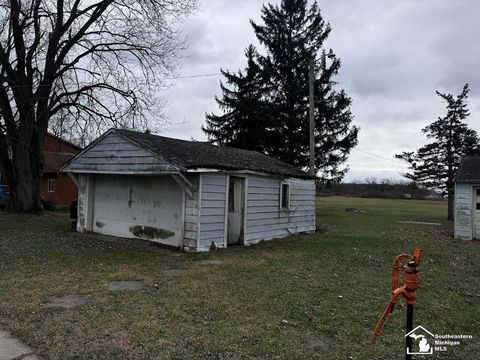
(285, 196)
(231, 196)
(51, 185)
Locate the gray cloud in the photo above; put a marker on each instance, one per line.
(395, 55)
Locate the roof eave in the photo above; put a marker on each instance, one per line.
(245, 171)
(468, 181)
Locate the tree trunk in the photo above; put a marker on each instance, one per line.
(23, 174)
(451, 203)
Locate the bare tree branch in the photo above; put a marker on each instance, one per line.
(81, 65)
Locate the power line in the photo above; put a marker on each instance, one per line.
(381, 157)
(193, 76)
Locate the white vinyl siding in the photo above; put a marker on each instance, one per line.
(464, 211)
(265, 217)
(212, 210)
(191, 216)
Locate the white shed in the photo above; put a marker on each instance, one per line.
(467, 199)
(186, 194)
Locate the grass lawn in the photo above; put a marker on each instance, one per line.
(330, 287)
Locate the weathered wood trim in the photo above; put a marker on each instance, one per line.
(184, 186)
(184, 178)
(200, 191)
(74, 179)
(182, 229)
(464, 219)
(90, 202)
(244, 172)
(245, 208)
(473, 207)
(121, 172)
(227, 191)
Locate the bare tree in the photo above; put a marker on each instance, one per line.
(78, 64)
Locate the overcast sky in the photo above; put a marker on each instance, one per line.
(395, 54)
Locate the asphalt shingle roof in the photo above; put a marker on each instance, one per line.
(469, 169)
(53, 161)
(194, 155)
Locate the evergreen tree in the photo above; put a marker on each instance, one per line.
(435, 164)
(292, 34)
(245, 123)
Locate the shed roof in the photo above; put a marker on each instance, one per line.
(195, 155)
(469, 169)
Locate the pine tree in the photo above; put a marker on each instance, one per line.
(435, 164)
(292, 33)
(243, 124)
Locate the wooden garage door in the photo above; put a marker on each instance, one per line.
(147, 207)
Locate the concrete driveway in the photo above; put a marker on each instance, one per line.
(12, 348)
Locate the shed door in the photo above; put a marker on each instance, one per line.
(476, 216)
(236, 206)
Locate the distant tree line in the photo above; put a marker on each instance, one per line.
(375, 188)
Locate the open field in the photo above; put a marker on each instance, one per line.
(330, 287)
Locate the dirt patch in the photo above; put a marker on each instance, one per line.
(442, 232)
(66, 302)
(174, 272)
(419, 223)
(212, 262)
(355, 210)
(126, 285)
(150, 232)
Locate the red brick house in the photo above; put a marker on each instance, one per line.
(57, 188)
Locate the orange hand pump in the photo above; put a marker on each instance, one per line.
(408, 290)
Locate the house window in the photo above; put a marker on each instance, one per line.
(478, 192)
(285, 196)
(51, 185)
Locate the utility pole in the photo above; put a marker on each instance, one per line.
(311, 75)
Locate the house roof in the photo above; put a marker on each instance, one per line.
(195, 155)
(469, 169)
(53, 161)
(71, 146)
